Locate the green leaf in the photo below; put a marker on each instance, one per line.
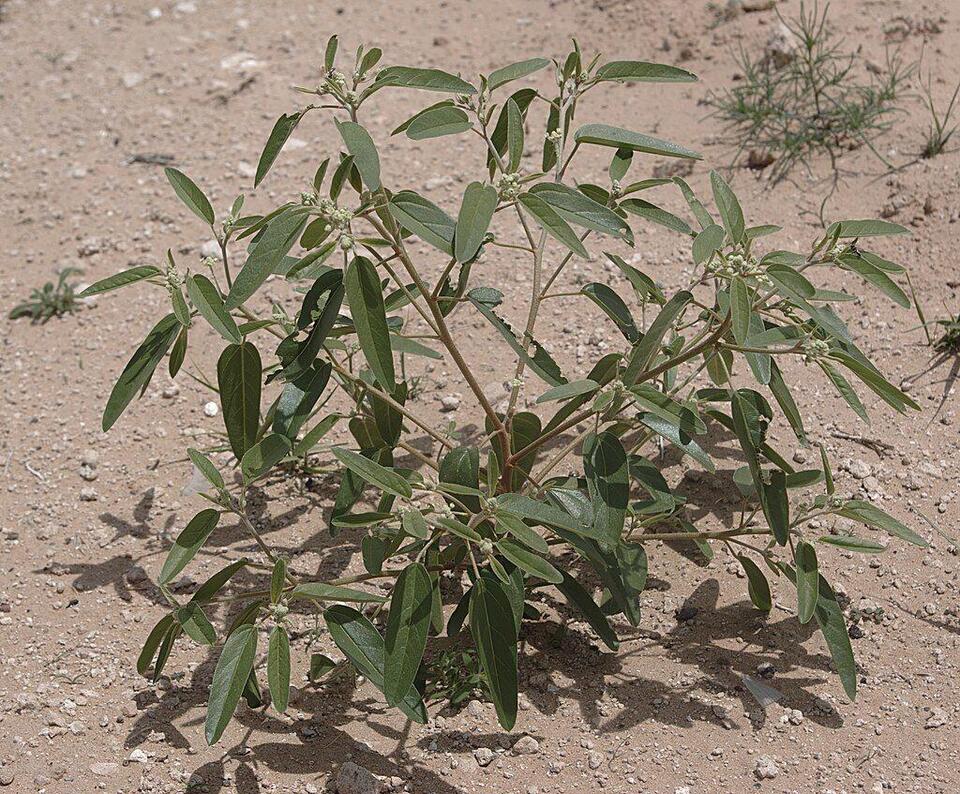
(652, 212)
(330, 592)
(864, 228)
(278, 580)
(414, 524)
(879, 385)
(580, 210)
(281, 131)
(645, 287)
(541, 362)
(567, 390)
(830, 619)
(424, 79)
(140, 368)
(495, 635)
(362, 644)
(365, 297)
(757, 585)
(411, 347)
(608, 483)
(696, 206)
(264, 455)
(649, 346)
(671, 431)
(424, 218)
(776, 505)
(525, 507)
(875, 276)
(406, 633)
(853, 543)
(383, 478)
(605, 135)
(207, 469)
(551, 222)
(458, 528)
(514, 135)
(190, 195)
(443, 119)
(476, 212)
(229, 678)
(278, 668)
(364, 151)
(525, 534)
(729, 207)
(872, 516)
(515, 71)
(614, 307)
(178, 352)
(188, 543)
(330, 52)
(121, 279)
(527, 561)
(643, 72)
(206, 297)
(312, 437)
(238, 376)
(150, 646)
(580, 599)
(298, 398)
(320, 665)
(265, 258)
(808, 580)
(195, 623)
(740, 305)
(620, 164)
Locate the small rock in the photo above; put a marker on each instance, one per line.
(526, 745)
(937, 718)
(765, 768)
(211, 408)
(483, 756)
(595, 760)
(210, 248)
(132, 79)
(353, 779)
(138, 756)
(857, 468)
(766, 670)
(104, 768)
(88, 495)
(6, 777)
(449, 402)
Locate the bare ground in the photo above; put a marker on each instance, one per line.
(90, 88)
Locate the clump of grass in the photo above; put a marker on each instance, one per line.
(53, 299)
(940, 131)
(949, 341)
(807, 98)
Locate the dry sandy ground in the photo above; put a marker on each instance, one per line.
(87, 85)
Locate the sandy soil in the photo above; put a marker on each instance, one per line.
(89, 87)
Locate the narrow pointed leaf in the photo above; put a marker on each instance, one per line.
(190, 195)
(229, 679)
(407, 628)
(495, 635)
(205, 296)
(278, 668)
(188, 543)
(362, 285)
(239, 374)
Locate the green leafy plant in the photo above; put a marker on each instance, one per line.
(806, 97)
(568, 498)
(53, 299)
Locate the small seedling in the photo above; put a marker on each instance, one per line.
(940, 129)
(53, 299)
